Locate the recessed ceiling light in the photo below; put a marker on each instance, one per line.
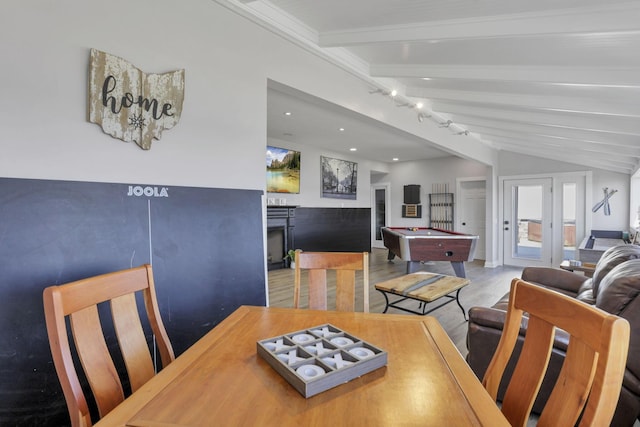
(353, 149)
(394, 92)
(395, 159)
(341, 129)
(426, 78)
(419, 105)
(287, 113)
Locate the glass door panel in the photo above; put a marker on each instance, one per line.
(527, 222)
(569, 203)
(379, 201)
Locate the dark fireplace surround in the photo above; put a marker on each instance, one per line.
(316, 229)
(280, 236)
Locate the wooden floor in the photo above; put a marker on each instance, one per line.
(487, 286)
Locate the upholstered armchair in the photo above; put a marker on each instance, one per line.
(615, 288)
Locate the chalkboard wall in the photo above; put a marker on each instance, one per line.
(53, 232)
(333, 229)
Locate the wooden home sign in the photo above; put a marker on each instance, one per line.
(132, 105)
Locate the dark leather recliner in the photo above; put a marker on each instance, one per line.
(615, 288)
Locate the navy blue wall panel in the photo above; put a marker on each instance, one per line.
(333, 229)
(205, 246)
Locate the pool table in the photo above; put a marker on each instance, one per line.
(419, 244)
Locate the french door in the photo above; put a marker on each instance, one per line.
(379, 202)
(527, 220)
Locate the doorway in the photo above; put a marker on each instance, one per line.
(526, 224)
(543, 218)
(380, 196)
(471, 218)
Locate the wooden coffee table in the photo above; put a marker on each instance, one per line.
(587, 268)
(425, 288)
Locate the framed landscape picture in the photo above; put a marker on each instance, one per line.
(283, 170)
(339, 178)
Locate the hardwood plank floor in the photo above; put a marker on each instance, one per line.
(487, 286)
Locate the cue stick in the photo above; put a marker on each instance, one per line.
(435, 205)
(438, 204)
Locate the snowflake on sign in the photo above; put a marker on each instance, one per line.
(137, 121)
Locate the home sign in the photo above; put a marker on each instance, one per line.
(130, 104)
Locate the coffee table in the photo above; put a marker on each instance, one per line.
(423, 287)
(587, 268)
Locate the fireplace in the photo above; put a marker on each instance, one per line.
(280, 228)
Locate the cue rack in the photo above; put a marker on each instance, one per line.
(441, 207)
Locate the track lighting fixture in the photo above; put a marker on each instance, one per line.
(422, 116)
(417, 105)
(391, 93)
(402, 101)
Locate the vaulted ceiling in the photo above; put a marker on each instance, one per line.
(557, 79)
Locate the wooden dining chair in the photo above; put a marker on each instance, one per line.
(345, 264)
(590, 380)
(78, 301)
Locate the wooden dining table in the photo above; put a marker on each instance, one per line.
(222, 381)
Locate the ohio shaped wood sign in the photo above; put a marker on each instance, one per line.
(132, 105)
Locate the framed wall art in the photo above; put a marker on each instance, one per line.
(339, 178)
(283, 170)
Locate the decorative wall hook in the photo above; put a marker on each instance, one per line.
(604, 203)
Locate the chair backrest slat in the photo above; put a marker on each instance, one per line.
(346, 291)
(590, 380)
(95, 359)
(345, 265)
(79, 301)
(521, 393)
(318, 289)
(131, 339)
(576, 378)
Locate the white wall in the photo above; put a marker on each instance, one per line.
(511, 164)
(425, 173)
(619, 202)
(221, 136)
(45, 50)
(310, 185)
(634, 201)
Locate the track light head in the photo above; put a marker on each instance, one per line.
(422, 116)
